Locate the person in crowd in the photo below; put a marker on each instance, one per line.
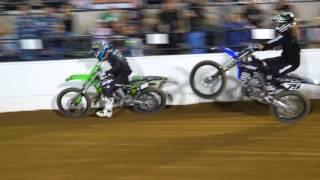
(47, 24)
(135, 15)
(56, 42)
(133, 29)
(237, 32)
(283, 5)
(169, 24)
(11, 5)
(196, 37)
(8, 46)
(195, 14)
(48, 21)
(254, 14)
(215, 34)
(25, 23)
(313, 34)
(36, 4)
(67, 19)
(105, 27)
(223, 11)
(26, 28)
(80, 4)
(118, 27)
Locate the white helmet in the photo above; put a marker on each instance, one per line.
(284, 21)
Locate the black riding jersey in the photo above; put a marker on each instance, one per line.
(289, 44)
(118, 62)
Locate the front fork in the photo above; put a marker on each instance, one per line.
(84, 90)
(226, 67)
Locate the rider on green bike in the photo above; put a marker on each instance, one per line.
(119, 73)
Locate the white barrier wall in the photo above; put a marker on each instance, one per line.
(34, 85)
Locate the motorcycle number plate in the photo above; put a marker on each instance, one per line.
(144, 85)
(292, 86)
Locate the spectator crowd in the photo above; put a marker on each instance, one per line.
(48, 31)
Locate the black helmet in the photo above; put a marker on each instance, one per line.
(284, 21)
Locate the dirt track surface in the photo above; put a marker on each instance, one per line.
(228, 141)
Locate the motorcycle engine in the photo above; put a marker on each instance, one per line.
(252, 85)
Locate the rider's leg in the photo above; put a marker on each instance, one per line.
(289, 66)
(278, 67)
(272, 66)
(107, 97)
(108, 87)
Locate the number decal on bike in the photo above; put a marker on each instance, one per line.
(293, 86)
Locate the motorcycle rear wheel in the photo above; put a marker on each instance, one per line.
(154, 101)
(299, 104)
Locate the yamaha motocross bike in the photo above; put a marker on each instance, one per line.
(141, 94)
(208, 80)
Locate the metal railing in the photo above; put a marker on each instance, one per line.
(71, 47)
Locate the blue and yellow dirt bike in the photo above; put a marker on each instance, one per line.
(208, 80)
(142, 94)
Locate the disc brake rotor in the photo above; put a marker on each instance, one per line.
(292, 107)
(73, 107)
(149, 101)
(206, 80)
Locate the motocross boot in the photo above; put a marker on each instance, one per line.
(107, 110)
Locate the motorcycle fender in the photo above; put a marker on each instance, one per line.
(159, 82)
(84, 78)
(79, 77)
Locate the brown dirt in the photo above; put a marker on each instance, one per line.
(221, 141)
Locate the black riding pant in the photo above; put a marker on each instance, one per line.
(276, 67)
(122, 78)
(279, 66)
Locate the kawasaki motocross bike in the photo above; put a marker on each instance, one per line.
(141, 94)
(208, 80)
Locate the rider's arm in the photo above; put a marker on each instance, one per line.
(274, 42)
(103, 55)
(106, 56)
(115, 65)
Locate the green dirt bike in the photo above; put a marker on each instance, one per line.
(141, 94)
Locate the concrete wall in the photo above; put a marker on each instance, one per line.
(35, 85)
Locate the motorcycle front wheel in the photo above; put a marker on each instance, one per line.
(207, 80)
(72, 103)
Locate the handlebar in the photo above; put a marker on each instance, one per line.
(215, 48)
(247, 51)
(250, 49)
(254, 47)
(92, 51)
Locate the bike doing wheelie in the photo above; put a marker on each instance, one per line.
(266, 81)
(208, 80)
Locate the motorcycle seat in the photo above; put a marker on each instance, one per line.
(292, 76)
(146, 78)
